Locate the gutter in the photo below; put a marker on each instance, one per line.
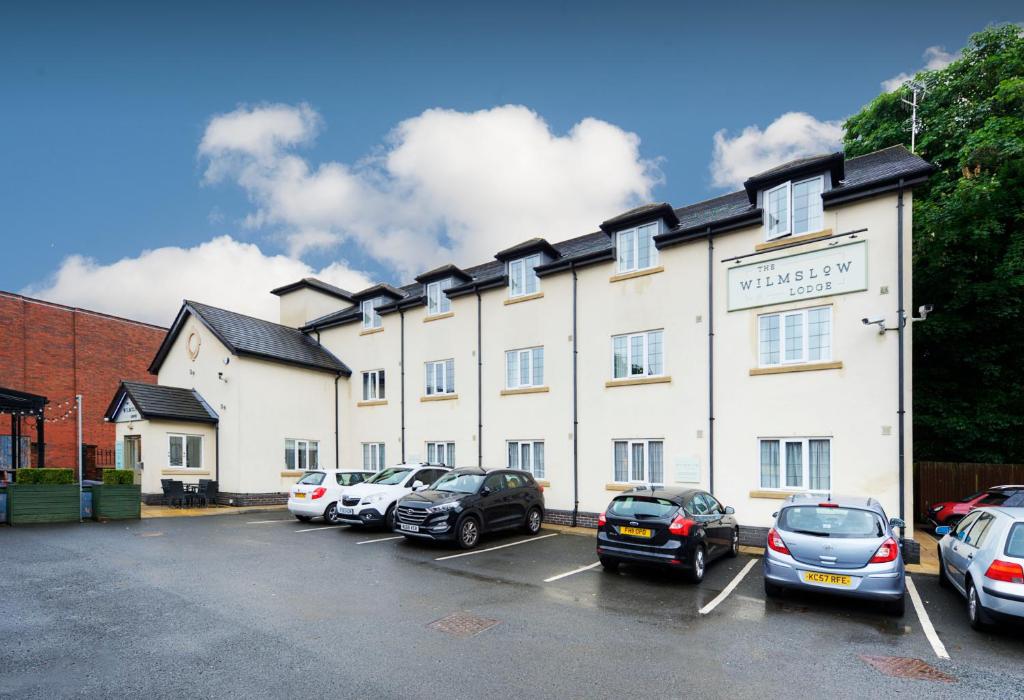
(901, 323)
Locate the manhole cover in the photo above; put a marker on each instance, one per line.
(903, 667)
(462, 624)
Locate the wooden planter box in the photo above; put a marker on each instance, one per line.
(116, 502)
(43, 503)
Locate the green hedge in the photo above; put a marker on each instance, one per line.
(45, 476)
(114, 477)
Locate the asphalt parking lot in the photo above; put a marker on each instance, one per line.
(261, 605)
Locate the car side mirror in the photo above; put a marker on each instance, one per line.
(896, 523)
(943, 530)
(775, 514)
(485, 491)
(417, 485)
(729, 510)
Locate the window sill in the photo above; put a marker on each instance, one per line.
(636, 273)
(184, 472)
(526, 390)
(525, 297)
(439, 397)
(438, 317)
(790, 240)
(371, 331)
(808, 367)
(374, 402)
(292, 472)
(637, 380)
(775, 495)
(619, 487)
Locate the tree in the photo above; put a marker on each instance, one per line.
(968, 247)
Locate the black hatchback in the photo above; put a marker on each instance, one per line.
(684, 528)
(467, 502)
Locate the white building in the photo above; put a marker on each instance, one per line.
(727, 344)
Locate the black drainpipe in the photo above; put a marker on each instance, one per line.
(401, 375)
(711, 365)
(575, 410)
(900, 325)
(216, 453)
(479, 383)
(337, 439)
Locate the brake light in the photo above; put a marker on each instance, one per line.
(1007, 571)
(775, 542)
(540, 487)
(886, 553)
(318, 492)
(681, 526)
(828, 504)
(601, 520)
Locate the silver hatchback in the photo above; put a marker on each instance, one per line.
(842, 546)
(983, 559)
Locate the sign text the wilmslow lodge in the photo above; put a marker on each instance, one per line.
(840, 269)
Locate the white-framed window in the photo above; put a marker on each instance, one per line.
(440, 377)
(372, 319)
(638, 461)
(184, 451)
(794, 208)
(638, 354)
(373, 385)
(437, 301)
(796, 463)
(794, 337)
(301, 454)
(527, 455)
(373, 456)
(524, 368)
(442, 453)
(522, 279)
(635, 248)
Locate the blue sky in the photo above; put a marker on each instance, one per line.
(105, 106)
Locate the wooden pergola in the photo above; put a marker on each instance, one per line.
(19, 404)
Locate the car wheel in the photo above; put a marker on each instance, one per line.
(303, 518)
(772, 590)
(696, 573)
(533, 521)
(609, 564)
(896, 608)
(469, 533)
(389, 517)
(734, 550)
(331, 514)
(943, 576)
(976, 612)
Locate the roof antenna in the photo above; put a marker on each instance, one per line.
(916, 89)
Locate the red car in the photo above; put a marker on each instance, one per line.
(951, 512)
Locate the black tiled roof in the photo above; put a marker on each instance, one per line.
(637, 214)
(881, 166)
(313, 283)
(254, 337)
(168, 402)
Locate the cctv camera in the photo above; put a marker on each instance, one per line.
(925, 309)
(873, 319)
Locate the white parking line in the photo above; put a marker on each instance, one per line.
(728, 589)
(382, 539)
(317, 529)
(261, 522)
(926, 623)
(574, 571)
(500, 546)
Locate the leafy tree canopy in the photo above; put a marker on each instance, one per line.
(968, 379)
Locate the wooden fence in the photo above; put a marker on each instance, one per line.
(935, 482)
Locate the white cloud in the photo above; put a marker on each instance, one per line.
(222, 271)
(793, 135)
(445, 186)
(935, 58)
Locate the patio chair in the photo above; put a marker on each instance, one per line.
(204, 494)
(174, 492)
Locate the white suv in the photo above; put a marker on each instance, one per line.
(373, 501)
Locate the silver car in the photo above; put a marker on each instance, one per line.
(843, 546)
(983, 558)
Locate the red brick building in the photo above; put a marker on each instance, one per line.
(59, 351)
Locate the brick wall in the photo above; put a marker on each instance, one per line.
(58, 351)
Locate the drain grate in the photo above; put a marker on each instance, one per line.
(462, 624)
(903, 667)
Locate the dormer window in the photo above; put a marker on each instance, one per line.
(522, 280)
(794, 208)
(635, 248)
(437, 301)
(372, 319)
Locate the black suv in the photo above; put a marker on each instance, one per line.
(467, 502)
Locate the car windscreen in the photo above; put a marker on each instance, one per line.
(349, 478)
(830, 521)
(1015, 542)
(458, 483)
(389, 477)
(314, 478)
(641, 507)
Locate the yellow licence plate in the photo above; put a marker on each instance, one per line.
(635, 531)
(300, 495)
(827, 579)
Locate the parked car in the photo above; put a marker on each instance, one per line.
(952, 512)
(372, 503)
(468, 502)
(318, 492)
(841, 546)
(683, 528)
(983, 559)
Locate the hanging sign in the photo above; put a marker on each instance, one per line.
(826, 272)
